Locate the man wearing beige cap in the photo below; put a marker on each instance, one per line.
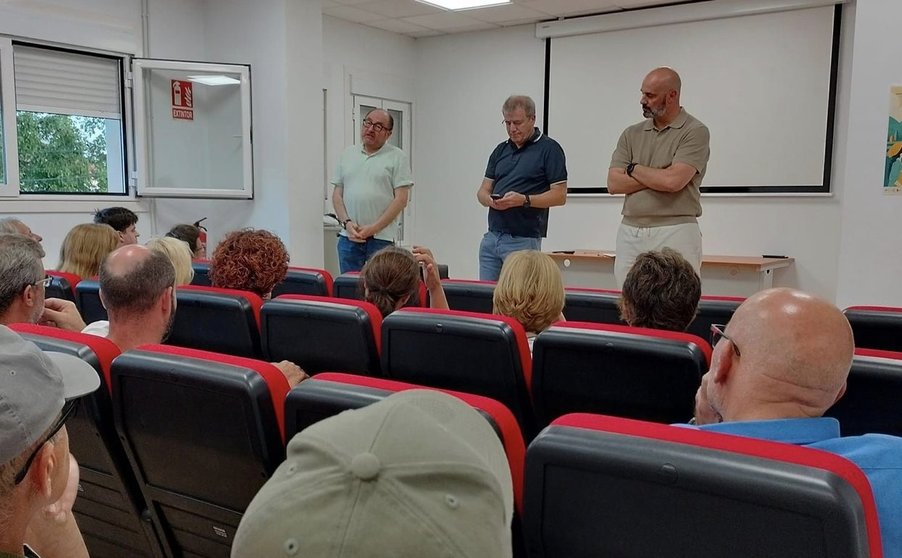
(38, 392)
(420, 473)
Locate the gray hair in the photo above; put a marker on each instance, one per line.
(519, 101)
(20, 265)
(11, 225)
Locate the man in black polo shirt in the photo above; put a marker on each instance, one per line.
(525, 176)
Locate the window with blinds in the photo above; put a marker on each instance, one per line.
(68, 121)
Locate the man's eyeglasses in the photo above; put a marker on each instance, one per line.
(377, 126)
(717, 331)
(68, 408)
(45, 281)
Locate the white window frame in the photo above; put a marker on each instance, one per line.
(142, 163)
(8, 103)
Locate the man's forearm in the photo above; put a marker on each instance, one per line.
(391, 212)
(557, 195)
(621, 183)
(660, 180)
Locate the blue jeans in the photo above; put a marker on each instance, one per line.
(496, 247)
(352, 255)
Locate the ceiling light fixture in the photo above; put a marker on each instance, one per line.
(464, 4)
(214, 80)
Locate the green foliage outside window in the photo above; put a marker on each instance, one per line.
(61, 154)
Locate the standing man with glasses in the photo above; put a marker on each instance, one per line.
(659, 164)
(38, 392)
(525, 176)
(372, 184)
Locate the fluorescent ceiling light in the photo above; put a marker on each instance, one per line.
(214, 80)
(464, 4)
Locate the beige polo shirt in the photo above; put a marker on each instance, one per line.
(685, 140)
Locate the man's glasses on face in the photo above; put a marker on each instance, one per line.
(45, 282)
(68, 408)
(717, 331)
(377, 126)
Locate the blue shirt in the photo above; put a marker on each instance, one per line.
(879, 456)
(531, 169)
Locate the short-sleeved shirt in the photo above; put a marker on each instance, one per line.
(879, 456)
(685, 140)
(531, 169)
(368, 183)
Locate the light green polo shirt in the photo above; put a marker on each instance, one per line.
(368, 184)
(685, 140)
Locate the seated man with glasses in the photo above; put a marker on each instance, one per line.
(38, 392)
(777, 367)
(23, 284)
(372, 184)
(525, 176)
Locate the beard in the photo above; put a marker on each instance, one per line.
(652, 112)
(168, 329)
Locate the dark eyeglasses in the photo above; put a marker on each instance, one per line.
(378, 126)
(717, 331)
(57, 425)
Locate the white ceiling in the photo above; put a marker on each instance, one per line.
(415, 19)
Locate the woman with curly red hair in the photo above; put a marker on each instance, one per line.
(252, 260)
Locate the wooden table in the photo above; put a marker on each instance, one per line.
(721, 275)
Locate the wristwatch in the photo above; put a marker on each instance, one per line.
(344, 224)
(527, 203)
(629, 169)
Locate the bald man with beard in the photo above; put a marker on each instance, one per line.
(137, 288)
(777, 367)
(659, 164)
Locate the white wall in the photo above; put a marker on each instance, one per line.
(870, 265)
(462, 81)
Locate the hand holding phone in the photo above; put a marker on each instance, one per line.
(497, 196)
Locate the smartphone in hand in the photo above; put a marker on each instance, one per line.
(497, 196)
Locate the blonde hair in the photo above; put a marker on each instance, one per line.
(85, 247)
(178, 253)
(530, 290)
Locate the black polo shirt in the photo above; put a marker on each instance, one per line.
(532, 170)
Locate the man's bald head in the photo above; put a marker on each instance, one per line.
(796, 351)
(666, 78)
(133, 277)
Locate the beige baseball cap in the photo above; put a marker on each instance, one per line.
(420, 473)
(33, 387)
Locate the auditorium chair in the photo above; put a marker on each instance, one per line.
(221, 320)
(328, 394)
(464, 351)
(201, 273)
(110, 509)
(876, 327)
(872, 402)
(305, 281)
(592, 305)
(203, 432)
(347, 285)
(634, 372)
(320, 333)
(470, 296)
(87, 298)
(605, 486)
(62, 285)
(713, 310)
